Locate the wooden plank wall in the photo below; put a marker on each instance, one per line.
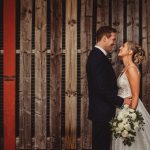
(71, 75)
(118, 23)
(25, 74)
(57, 35)
(55, 74)
(86, 45)
(40, 74)
(146, 46)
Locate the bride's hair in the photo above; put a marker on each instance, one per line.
(138, 52)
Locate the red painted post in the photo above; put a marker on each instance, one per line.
(9, 26)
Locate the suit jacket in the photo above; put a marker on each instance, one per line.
(102, 86)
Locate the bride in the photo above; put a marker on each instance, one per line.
(129, 85)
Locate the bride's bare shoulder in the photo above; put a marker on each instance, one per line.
(133, 71)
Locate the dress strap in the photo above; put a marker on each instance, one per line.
(129, 66)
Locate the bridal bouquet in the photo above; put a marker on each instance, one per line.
(126, 124)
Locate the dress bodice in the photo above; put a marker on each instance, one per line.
(124, 86)
(142, 138)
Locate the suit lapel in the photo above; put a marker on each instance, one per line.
(100, 52)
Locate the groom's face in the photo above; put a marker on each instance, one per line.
(110, 42)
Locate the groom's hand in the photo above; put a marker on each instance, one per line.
(127, 101)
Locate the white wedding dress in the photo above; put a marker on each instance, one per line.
(142, 140)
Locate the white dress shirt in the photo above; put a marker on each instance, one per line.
(101, 49)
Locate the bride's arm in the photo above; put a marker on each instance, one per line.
(134, 80)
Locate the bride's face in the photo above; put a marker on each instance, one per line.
(123, 50)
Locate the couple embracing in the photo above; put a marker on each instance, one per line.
(106, 92)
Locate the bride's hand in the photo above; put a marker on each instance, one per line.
(127, 101)
(133, 107)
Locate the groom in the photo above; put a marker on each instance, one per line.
(103, 89)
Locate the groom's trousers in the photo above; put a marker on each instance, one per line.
(101, 136)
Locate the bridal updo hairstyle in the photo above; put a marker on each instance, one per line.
(138, 52)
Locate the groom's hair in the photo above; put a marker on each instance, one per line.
(104, 30)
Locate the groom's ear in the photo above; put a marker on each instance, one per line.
(104, 38)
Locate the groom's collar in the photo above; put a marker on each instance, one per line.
(101, 49)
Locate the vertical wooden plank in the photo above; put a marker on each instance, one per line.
(102, 13)
(146, 47)
(133, 20)
(9, 73)
(136, 22)
(71, 75)
(86, 46)
(55, 74)
(40, 74)
(25, 74)
(117, 23)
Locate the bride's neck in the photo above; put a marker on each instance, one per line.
(127, 61)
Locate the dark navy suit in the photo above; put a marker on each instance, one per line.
(103, 97)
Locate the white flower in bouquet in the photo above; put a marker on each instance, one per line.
(118, 130)
(120, 117)
(121, 126)
(126, 124)
(126, 114)
(125, 106)
(133, 116)
(114, 124)
(125, 133)
(125, 121)
(136, 125)
(127, 127)
(131, 110)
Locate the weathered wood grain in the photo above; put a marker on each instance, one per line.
(25, 74)
(71, 75)
(102, 13)
(125, 18)
(146, 47)
(133, 20)
(55, 74)
(40, 74)
(86, 46)
(117, 23)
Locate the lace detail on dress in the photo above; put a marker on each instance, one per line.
(124, 86)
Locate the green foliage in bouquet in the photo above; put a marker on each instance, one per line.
(126, 124)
